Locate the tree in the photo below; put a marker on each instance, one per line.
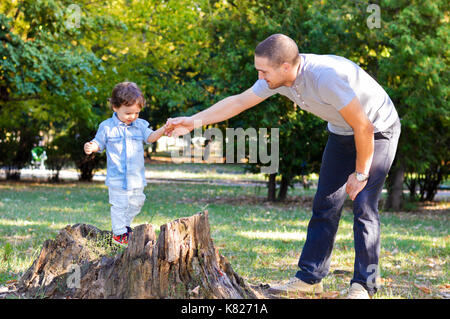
(415, 71)
(59, 63)
(42, 71)
(235, 28)
(19, 133)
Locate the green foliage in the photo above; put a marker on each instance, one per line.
(39, 53)
(416, 72)
(19, 132)
(44, 74)
(186, 55)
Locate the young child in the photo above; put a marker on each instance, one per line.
(123, 136)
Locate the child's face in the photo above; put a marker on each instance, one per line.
(127, 114)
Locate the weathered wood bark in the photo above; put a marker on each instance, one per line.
(181, 263)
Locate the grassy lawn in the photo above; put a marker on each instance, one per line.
(262, 241)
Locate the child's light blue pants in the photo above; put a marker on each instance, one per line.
(125, 205)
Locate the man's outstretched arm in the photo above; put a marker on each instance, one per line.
(220, 111)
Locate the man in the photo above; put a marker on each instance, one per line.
(363, 130)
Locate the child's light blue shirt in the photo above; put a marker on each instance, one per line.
(124, 151)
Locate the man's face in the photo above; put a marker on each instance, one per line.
(274, 76)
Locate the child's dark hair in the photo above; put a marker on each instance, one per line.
(127, 94)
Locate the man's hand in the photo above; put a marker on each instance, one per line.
(354, 186)
(179, 126)
(90, 147)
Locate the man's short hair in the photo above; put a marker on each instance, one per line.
(278, 48)
(126, 94)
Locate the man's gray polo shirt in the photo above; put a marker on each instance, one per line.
(327, 83)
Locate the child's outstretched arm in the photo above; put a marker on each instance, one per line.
(156, 134)
(91, 147)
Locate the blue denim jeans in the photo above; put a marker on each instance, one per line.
(338, 162)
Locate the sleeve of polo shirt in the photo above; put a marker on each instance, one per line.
(146, 130)
(100, 137)
(334, 89)
(261, 89)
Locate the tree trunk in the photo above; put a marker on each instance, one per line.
(181, 263)
(395, 188)
(12, 174)
(284, 186)
(430, 183)
(411, 183)
(305, 182)
(272, 187)
(86, 172)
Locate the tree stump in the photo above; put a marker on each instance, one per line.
(181, 263)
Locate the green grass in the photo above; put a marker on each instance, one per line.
(261, 240)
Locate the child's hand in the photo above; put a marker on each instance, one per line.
(90, 147)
